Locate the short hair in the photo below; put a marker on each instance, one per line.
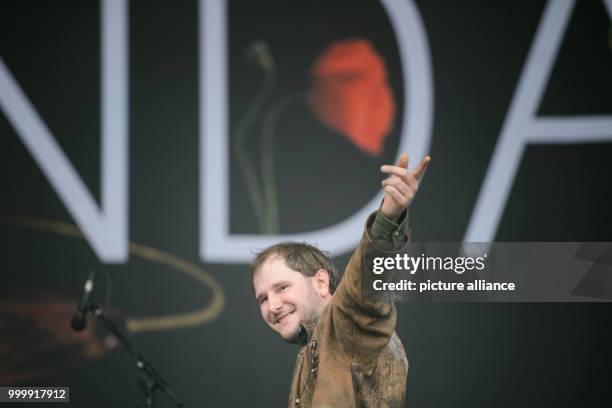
(300, 257)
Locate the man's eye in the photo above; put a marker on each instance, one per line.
(284, 287)
(261, 301)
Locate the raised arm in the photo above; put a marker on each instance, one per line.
(364, 326)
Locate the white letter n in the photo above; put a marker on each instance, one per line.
(106, 227)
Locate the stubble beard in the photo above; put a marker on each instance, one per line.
(312, 308)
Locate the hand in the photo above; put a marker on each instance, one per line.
(401, 186)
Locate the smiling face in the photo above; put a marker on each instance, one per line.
(287, 297)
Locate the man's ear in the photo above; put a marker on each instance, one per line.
(321, 282)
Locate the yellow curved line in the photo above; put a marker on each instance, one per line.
(156, 323)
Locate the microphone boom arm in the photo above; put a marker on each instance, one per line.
(152, 379)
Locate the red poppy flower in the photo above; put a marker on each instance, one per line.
(351, 94)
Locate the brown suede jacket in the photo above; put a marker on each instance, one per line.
(351, 356)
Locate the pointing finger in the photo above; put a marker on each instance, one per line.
(420, 170)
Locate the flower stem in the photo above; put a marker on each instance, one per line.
(246, 167)
(267, 159)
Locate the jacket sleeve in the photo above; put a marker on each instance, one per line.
(363, 325)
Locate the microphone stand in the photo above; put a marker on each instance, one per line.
(151, 380)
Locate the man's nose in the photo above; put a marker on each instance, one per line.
(275, 303)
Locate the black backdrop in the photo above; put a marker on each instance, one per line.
(460, 354)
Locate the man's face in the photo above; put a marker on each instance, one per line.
(285, 297)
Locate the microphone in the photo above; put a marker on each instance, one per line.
(78, 322)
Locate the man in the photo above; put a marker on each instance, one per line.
(350, 354)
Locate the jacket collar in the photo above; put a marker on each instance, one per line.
(304, 333)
